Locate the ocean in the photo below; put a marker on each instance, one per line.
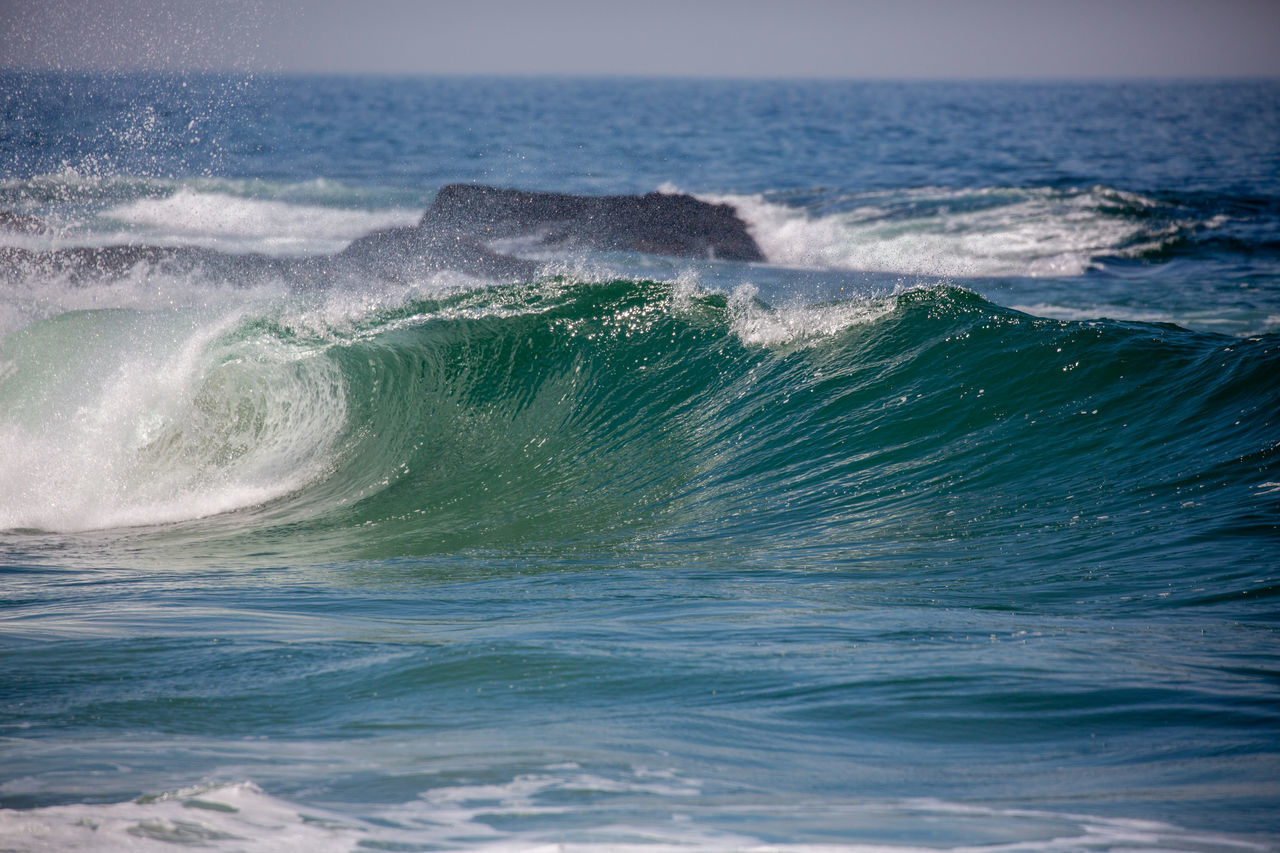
(950, 523)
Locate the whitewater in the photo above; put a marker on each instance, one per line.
(951, 523)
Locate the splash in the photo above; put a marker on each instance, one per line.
(119, 418)
(1033, 232)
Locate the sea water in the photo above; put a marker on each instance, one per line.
(954, 524)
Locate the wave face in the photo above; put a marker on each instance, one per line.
(951, 524)
(158, 420)
(566, 410)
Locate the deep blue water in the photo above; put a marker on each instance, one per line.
(955, 523)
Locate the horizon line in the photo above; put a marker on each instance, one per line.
(641, 76)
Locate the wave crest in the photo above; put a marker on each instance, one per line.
(158, 420)
(1031, 232)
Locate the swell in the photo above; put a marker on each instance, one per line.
(634, 412)
(564, 415)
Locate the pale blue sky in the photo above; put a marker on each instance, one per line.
(747, 38)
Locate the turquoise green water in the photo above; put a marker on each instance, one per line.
(953, 524)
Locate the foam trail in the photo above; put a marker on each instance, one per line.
(236, 816)
(240, 816)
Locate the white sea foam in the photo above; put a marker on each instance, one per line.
(156, 398)
(236, 224)
(127, 418)
(229, 817)
(954, 233)
(242, 817)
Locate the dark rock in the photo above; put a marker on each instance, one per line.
(655, 223)
(454, 233)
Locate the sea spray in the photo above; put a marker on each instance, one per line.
(163, 417)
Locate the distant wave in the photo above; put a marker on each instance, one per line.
(231, 215)
(997, 231)
(962, 233)
(235, 224)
